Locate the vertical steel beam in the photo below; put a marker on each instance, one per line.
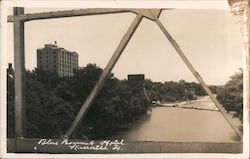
(198, 77)
(106, 72)
(19, 73)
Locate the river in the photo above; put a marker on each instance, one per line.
(181, 125)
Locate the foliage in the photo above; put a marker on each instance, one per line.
(173, 91)
(231, 96)
(10, 106)
(53, 102)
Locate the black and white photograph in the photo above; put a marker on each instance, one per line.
(162, 80)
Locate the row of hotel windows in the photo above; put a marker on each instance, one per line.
(67, 56)
(70, 70)
(63, 67)
(64, 71)
(60, 67)
(56, 52)
(68, 74)
(67, 62)
(67, 66)
(63, 63)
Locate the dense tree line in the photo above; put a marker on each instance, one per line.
(175, 91)
(231, 95)
(53, 102)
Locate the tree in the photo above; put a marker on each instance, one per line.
(52, 103)
(47, 114)
(171, 91)
(10, 106)
(231, 96)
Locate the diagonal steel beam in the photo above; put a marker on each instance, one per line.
(106, 72)
(198, 77)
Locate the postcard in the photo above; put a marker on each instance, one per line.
(124, 79)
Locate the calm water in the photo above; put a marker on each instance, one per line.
(178, 124)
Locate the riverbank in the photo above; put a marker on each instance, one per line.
(202, 103)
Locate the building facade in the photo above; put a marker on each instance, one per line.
(55, 59)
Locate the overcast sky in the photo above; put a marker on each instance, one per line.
(211, 40)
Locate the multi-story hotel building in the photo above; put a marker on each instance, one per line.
(55, 59)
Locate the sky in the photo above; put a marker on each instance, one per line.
(211, 40)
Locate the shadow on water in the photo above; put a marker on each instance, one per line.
(116, 131)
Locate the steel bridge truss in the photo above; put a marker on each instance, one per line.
(19, 18)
